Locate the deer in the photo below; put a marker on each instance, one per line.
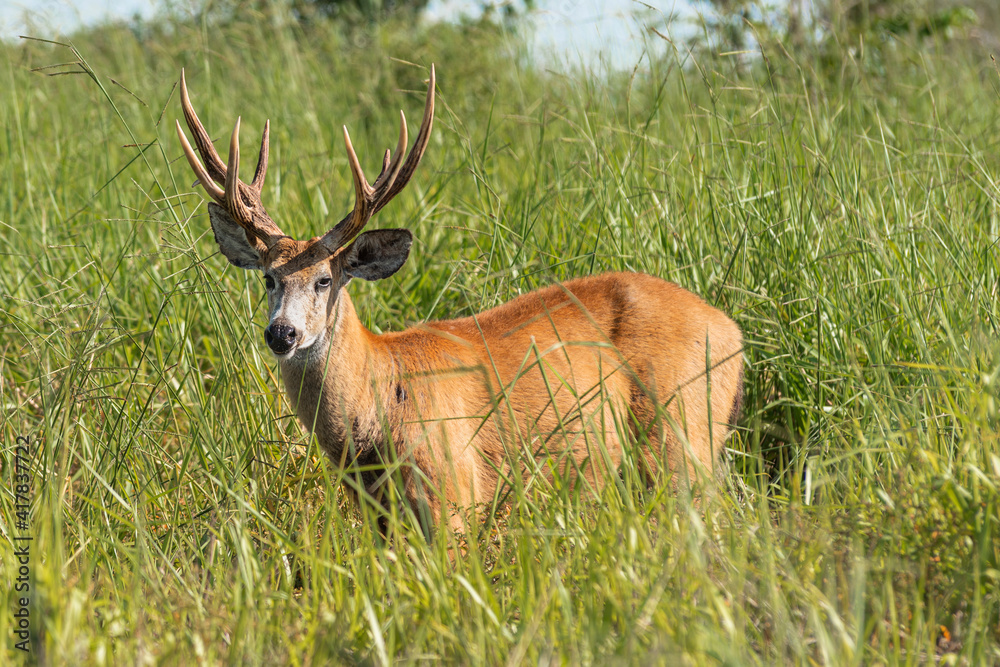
(566, 380)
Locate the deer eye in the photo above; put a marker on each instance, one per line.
(269, 283)
(323, 283)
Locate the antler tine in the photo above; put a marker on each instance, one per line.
(362, 190)
(358, 218)
(217, 193)
(393, 178)
(213, 162)
(261, 172)
(390, 169)
(234, 202)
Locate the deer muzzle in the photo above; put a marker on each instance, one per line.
(280, 337)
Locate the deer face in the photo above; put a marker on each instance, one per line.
(303, 278)
(301, 296)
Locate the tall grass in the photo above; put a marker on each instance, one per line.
(846, 215)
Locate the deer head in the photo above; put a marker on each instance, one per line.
(303, 278)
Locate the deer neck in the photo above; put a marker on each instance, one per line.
(335, 386)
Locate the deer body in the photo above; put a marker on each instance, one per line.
(433, 392)
(556, 381)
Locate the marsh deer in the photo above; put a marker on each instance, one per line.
(556, 381)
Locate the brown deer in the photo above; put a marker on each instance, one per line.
(556, 381)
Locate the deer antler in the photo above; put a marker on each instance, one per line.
(395, 174)
(240, 200)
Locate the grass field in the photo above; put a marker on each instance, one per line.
(842, 207)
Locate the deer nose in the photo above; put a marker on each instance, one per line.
(279, 337)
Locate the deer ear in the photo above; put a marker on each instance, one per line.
(378, 254)
(232, 239)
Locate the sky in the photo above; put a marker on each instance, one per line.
(592, 32)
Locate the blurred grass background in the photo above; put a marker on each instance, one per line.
(841, 203)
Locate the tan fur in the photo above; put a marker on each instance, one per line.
(558, 381)
(552, 378)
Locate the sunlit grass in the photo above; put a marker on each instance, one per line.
(846, 218)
